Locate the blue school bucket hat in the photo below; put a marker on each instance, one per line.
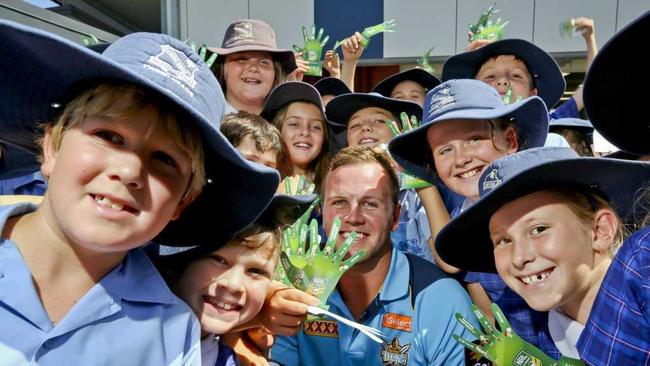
(425, 79)
(570, 123)
(331, 86)
(615, 90)
(340, 109)
(283, 211)
(40, 72)
(465, 241)
(547, 76)
(466, 99)
(289, 92)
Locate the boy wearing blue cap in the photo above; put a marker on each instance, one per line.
(465, 127)
(134, 142)
(551, 223)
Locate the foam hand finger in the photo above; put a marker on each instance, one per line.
(406, 123)
(484, 321)
(314, 249)
(313, 31)
(393, 127)
(414, 122)
(305, 36)
(472, 329)
(319, 37)
(345, 246)
(350, 262)
(471, 346)
(503, 322)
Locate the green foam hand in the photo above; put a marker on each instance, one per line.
(369, 32)
(317, 271)
(313, 50)
(203, 50)
(505, 347)
(407, 181)
(508, 96)
(423, 62)
(485, 28)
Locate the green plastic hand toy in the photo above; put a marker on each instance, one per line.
(369, 32)
(406, 180)
(303, 187)
(423, 62)
(505, 347)
(317, 271)
(484, 28)
(90, 40)
(508, 96)
(312, 50)
(203, 50)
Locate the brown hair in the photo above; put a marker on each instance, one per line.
(218, 71)
(353, 155)
(236, 126)
(121, 101)
(577, 140)
(585, 205)
(319, 165)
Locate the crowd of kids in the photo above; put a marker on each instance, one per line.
(162, 206)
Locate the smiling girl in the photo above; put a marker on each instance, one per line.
(295, 108)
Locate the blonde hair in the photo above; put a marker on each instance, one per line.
(319, 165)
(120, 101)
(585, 205)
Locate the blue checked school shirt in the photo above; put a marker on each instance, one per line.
(568, 109)
(420, 336)
(130, 317)
(618, 328)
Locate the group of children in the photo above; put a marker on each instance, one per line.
(144, 144)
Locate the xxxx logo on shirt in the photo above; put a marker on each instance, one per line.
(321, 328)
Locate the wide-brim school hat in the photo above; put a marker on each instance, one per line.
(465, 241)
(290, 92)
(615, 90)
(547, 76)
(466, 99)
(283, 211)
(41, 72)
(340, 109)
(425, 79)
(253, 35)
(570, 123)
(332, 86)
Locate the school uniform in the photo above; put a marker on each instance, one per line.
(215, 353)
(32, 183)
(618, 328)
(419, 335)
(130, 317)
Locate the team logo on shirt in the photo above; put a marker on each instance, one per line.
(394, 354)
(321, 328)
(526, 359)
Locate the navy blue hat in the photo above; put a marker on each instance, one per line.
(425, 79)
(466, 99)
(615, 91)
(340, 109)
(332, 86)
(546, 73)
(289, 92)
(40, 72)
(465, 241)
(283, 211)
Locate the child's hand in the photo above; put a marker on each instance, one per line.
(407, 181)
(584, 26)
(302, 67)
(317, 272)
(505, 347)
(285, 308)
(351, 47)
(249, 351)
(332, 64)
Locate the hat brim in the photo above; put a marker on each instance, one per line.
(290, 92)
(570, 123)
(411, 149)
(286, 57)
(331, 86)
(340, 109)
(425, 79)
(280, 213)
(43, 68)
(465, 241)
(546, 73)
(615, 94)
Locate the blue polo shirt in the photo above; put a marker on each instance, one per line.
(129, 318)
(420, 336)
